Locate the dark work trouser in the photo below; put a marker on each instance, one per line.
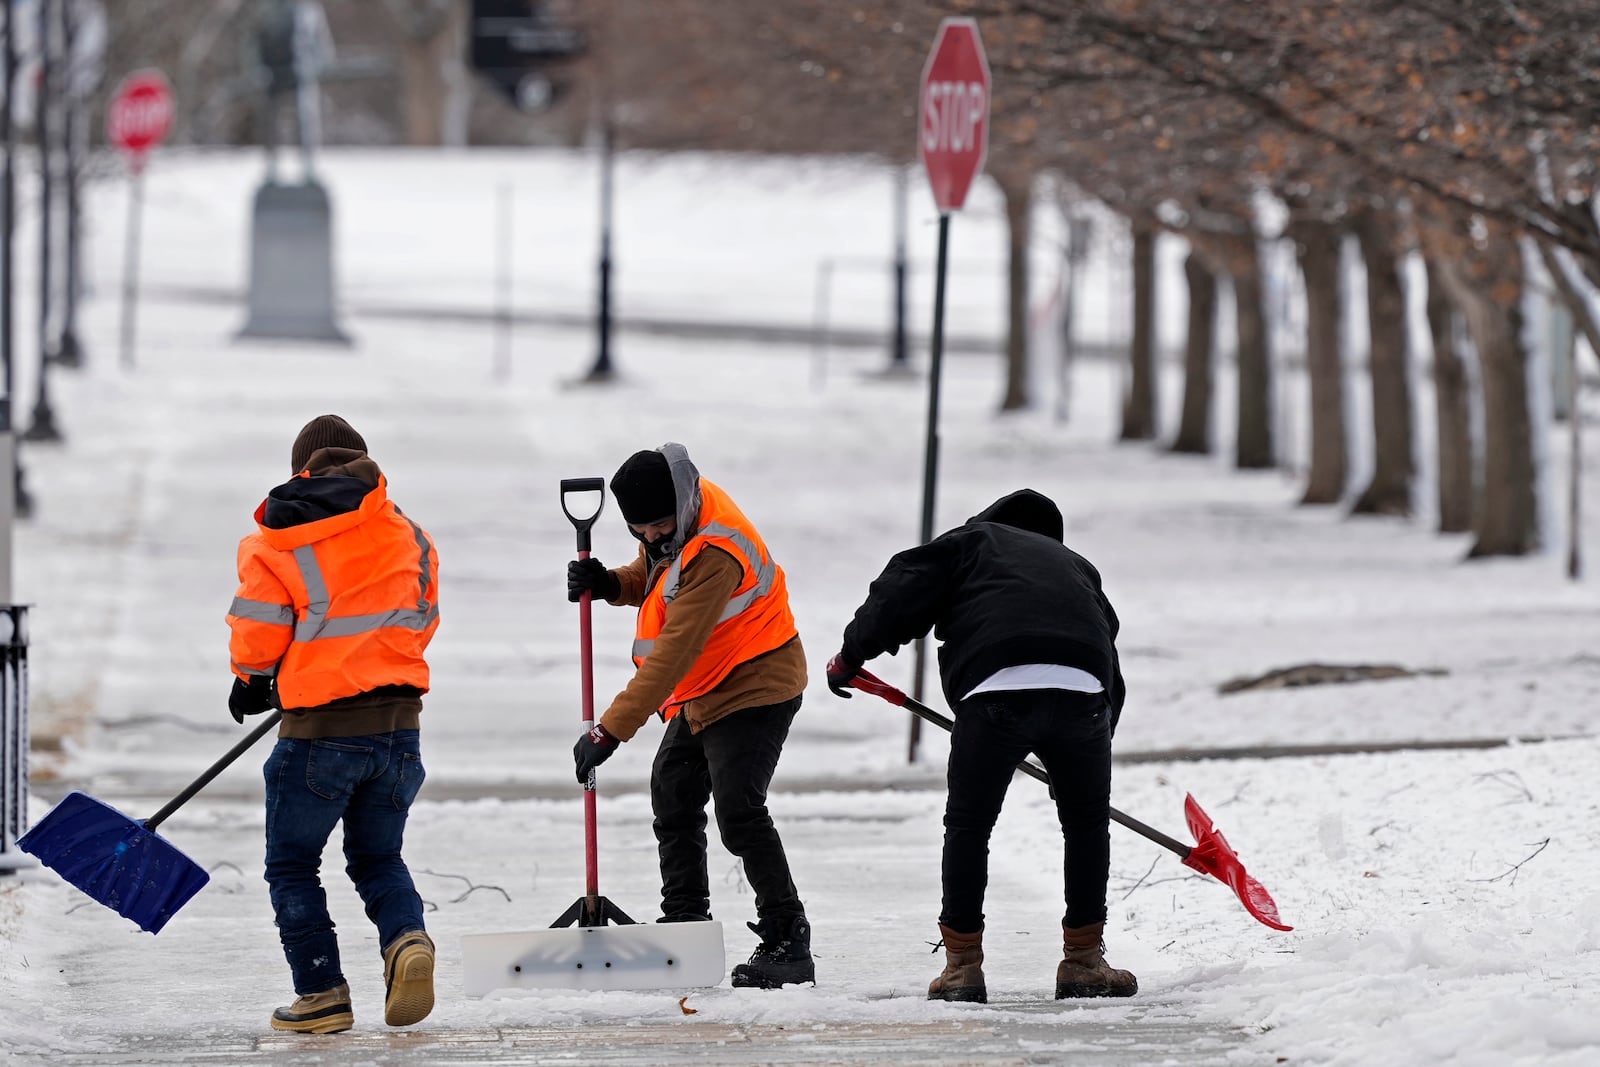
(729, 763)
(1071, 733)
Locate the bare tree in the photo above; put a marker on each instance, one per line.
(1394, 466)
(1317, 246)
(1194, 426)
(1452, 405)
(435, 90)
(1139, 404)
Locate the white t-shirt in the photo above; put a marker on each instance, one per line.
(1039, 676)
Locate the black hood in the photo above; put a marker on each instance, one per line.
(340, 480)
(1028, 510)
(305, 500)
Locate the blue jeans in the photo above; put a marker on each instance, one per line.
(369, 782)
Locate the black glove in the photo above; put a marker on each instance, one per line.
(590, 575)
(249, 698)
(841, 672)
(594, 747)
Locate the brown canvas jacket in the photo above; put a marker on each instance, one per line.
(706, 583)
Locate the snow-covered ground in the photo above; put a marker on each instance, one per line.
(1444, 901)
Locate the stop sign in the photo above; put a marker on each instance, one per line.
(953, 112)
(140, 114)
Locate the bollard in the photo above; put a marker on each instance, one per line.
(13, 736)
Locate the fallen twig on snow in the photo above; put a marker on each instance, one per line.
(1512, 873)
(471, 886)
(1505, 778)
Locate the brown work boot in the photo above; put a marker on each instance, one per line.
(408, 979)
(317, 1013)
(963, 968)
(1084, 972)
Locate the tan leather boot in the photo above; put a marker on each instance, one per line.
(963, 968)
(327, 1012)
(1084, 971)
(408, 979)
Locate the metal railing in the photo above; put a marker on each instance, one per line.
(14, 738)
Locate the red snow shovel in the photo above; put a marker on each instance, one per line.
(122, 862)
(627, 955)
(1211, 855)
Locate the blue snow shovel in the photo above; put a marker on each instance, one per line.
(122, 862)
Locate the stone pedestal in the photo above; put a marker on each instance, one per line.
(291, 265)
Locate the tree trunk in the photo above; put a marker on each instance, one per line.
(433, 79)
(1253, 448)
(1018, 193)
(1488, 288)
(1453, 406)
(1318, 249)
(1194, 429)
(1394, 467)
(1139, 406)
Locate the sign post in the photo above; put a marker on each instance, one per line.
(952, 142)
(137, 120)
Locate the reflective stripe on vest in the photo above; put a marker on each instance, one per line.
(270, 672)
(317, 623)
(262, 611)
(765, 570)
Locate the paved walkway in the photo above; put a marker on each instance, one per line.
(991, 1039)
(131, 563)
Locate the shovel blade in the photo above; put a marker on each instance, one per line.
(115, 859)
(1214, 856)
(639, 956)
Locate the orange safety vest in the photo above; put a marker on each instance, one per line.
(336, 607)
(756, 619)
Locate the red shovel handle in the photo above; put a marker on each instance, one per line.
(1212, 855)
(582, 523)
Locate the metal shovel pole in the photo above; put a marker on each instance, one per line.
(1211, 854)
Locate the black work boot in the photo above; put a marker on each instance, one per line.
(783, 957)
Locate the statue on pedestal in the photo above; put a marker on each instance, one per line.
(291, 238)
(292, 46)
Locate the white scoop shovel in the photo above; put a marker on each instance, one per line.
(579, 950)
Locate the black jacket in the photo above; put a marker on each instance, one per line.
(999, 591)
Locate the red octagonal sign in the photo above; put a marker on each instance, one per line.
(953, 112)
(140, 114)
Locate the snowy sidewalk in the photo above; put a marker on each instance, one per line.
(1443, 900)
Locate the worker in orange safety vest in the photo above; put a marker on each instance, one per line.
(718, 657)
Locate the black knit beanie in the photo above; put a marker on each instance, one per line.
(324, 431)
(643, 489)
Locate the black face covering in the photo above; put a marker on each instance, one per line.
(654, 551)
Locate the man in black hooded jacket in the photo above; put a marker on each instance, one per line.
(1028, 660)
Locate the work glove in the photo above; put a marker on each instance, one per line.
(590, 575)
(594, 747)
(841, 672)
(249, 698)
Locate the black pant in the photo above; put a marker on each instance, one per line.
(729, 763)
(1071, 733)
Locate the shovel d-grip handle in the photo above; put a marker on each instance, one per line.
(582, 523)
